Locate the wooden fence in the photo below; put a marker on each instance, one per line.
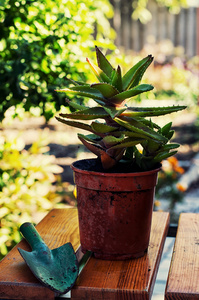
(181, 29)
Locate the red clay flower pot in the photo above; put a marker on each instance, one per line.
(115, 212)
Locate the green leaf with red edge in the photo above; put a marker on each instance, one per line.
(93, 148)
(103, 63)
(101, 76)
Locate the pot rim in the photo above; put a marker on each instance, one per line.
(129, 174)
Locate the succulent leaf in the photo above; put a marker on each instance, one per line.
(110, 140)
(170, 134)
(103, 63)
(171, 146)
(114, 111)
(91, 147)
(139, 127)
(133, 134)
(75, 124)
(87, 114)
(134, 75)
(93, 138)
(102, 128)
(76, 82)
(116, 138)
(125, 144)
(152, 111)
(101, 76)
(163, 155)
(85, 91)
(107, 161)
(166, 128)
(121, 97)
(117, 79)
(76, 105)
(106, 89)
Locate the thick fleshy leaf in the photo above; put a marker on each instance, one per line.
(133, 77)
(76, 82)
(107, 161)
(125, 144)
(103, 63)
(107, 90)
(133, 134)
(101, 76)
(87, 114)
(119, 98)
(75, 124)
(102, 128)
(171, 146)
(76, 105)
(114, 111)
(95, 149)
(85, 91)
(110, 140)
(93, 138)
(140, 127)
(163, 155)
(117, 79)
(152, 111)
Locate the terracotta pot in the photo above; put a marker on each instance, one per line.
(115, 212)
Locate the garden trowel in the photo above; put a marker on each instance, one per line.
(57, 268)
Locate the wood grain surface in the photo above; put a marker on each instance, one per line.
(16, 280)
(183, 280)
(131, 279)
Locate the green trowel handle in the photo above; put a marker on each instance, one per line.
(32, 236)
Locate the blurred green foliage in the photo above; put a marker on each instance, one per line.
(43, 41)
(26, 186)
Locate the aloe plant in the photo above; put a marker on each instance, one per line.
(124, 129)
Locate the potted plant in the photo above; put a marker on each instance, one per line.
(115, 191)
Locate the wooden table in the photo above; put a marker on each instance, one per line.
(131, 279)
(183, 279)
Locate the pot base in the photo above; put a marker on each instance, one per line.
(107, 256)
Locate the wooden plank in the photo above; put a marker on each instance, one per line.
(183, 279)
(130, 279)
(16, 280)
